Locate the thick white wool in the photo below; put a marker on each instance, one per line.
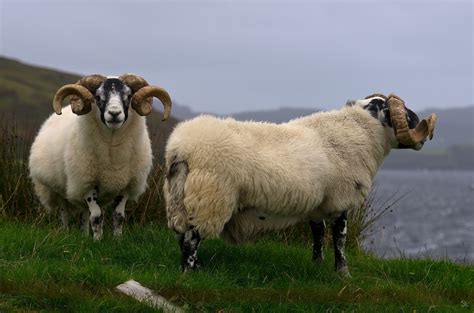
(73, 154)
(245, 177)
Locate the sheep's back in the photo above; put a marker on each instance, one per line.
(275, 168)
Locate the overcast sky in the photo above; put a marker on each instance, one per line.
(228, 56)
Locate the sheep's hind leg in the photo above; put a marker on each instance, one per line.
(189, 243)
(96, 217)
(318, 229)
(84, 218)
(339, 231)
(64, 219)
(119, 213)
(63, 209)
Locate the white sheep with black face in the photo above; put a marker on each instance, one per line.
(98, 152)
(236, 179)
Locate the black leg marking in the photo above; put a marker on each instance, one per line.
(97, 220)
(119, 213)
(339, 231)
(117, 201)
(118, 219)
(189, 243)
(318, 240)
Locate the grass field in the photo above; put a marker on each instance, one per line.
(43, 269)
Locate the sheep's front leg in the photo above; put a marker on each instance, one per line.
(318, 229)
(96, 218)
(119, 213)
(339, 231)
(189, 243)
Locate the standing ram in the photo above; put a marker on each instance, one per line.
(98, 152)
(237, 179)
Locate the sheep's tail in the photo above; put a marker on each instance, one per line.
(176, 175)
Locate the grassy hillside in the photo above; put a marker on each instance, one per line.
(26, 89)
(46, 270)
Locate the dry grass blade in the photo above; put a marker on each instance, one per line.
(362, 221)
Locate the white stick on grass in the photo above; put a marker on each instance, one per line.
(135, 290)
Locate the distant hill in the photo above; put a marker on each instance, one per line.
(181, 112)
(26, 94)
(28, 90)
(454, 157)
(455, 126)
(280, 115)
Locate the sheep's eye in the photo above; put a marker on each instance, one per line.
(100, 100)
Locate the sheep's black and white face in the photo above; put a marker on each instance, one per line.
(378, 108)
(113, 99)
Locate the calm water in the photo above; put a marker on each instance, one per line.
(434, 218)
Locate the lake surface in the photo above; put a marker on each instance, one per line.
(434, 218)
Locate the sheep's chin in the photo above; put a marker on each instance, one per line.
(114, 125)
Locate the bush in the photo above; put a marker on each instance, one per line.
(16, 191)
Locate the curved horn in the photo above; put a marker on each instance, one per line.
(79, 107)
(133, 81)
(92, 82)
(83, 94)
(142, 95)
(404, 134)
(143, 107)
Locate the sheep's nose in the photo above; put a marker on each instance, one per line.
(114, 113)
